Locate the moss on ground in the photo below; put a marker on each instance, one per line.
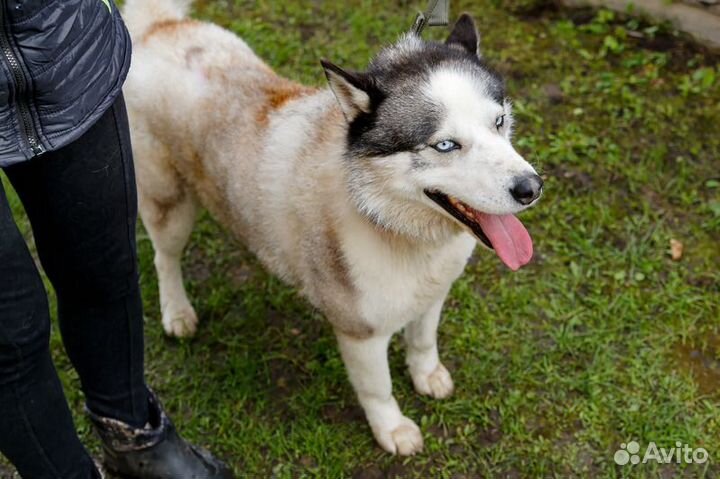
(603, 339)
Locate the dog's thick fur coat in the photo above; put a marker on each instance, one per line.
(327, 187)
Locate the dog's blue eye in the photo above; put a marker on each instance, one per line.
(500, 121)
(446, 146)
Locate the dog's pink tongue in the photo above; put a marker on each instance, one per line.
(509, 237)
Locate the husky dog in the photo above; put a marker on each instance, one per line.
(369, 196)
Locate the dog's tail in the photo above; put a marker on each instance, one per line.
(141, 15)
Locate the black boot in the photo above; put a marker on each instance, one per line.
(154, 452)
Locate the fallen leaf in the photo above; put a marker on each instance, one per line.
(676, 249)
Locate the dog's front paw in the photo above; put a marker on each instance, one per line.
(438, 384)
(405, 439)
(181, 322)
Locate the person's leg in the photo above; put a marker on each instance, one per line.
(82, 205)
(37, 432)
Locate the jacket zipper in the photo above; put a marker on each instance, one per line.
(27, 128)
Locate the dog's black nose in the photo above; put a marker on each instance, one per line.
(527, 189)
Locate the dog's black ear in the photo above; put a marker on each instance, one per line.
(465, 35)
(355, 91)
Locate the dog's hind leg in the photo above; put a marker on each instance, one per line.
(429, 375)
(168, 209)
(367, 365)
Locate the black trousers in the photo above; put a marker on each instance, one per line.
(81, 202)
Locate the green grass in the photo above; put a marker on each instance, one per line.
(601, 340)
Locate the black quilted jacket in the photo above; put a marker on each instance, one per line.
(62, 64)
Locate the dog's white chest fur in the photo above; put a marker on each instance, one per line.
(398, 284)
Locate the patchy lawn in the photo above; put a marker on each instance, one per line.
(603, 339)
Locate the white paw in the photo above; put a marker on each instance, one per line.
(405, 439)
(438, 384)
(180, 322)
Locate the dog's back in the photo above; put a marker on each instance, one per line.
(203, 109)
(171, 94)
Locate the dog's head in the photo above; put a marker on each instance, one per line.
(428, 145)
